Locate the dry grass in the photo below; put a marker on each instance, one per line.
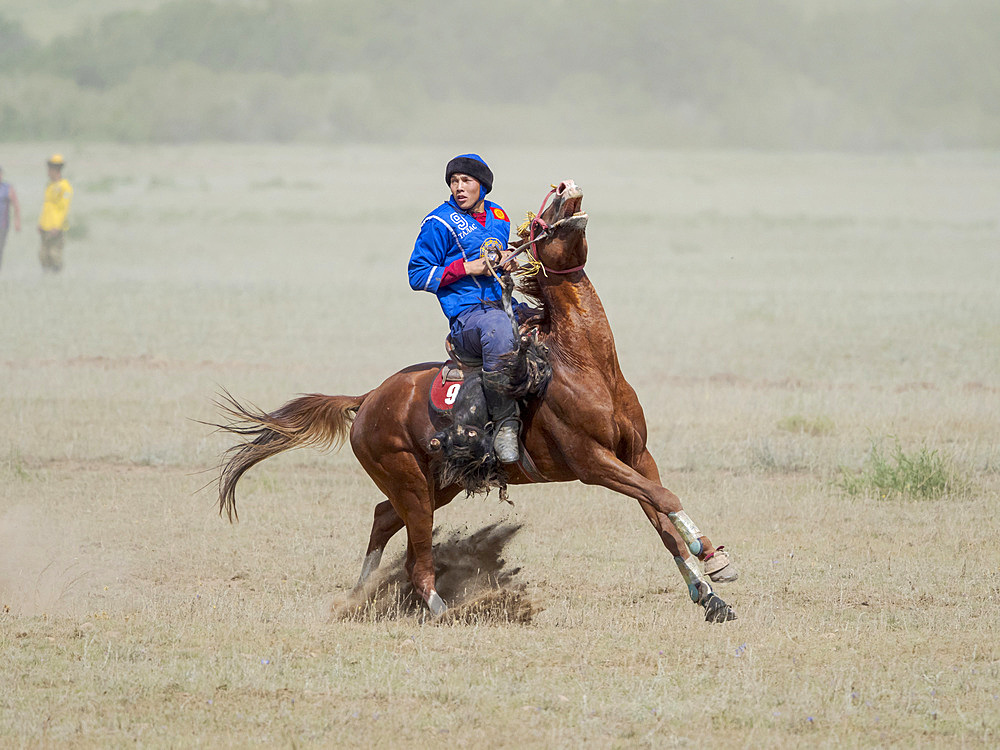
(775, 315)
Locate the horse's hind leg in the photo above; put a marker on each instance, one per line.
(715, 561)
(418, 515)
(385, 525)
(409, 485)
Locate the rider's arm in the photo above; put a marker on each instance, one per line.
(453, 272)
(428, 261)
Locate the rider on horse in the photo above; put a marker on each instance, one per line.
(450, 260)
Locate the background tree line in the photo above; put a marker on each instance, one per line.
(676, 73)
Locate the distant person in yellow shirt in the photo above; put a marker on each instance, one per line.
(8, 200)
(52, 223)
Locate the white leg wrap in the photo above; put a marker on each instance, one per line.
(688, 531)
(698, 587)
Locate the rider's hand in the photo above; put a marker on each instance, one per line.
(507, 261)
(478, 266)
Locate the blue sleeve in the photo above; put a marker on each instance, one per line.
(429, 257)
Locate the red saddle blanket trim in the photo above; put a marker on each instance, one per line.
(444, 387)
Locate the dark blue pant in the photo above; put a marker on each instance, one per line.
(484, 331)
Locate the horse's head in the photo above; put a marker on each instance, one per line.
(557, 235)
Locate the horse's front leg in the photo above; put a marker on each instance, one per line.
(715, 561)
(601, 467)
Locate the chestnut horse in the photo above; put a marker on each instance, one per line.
(587, 426)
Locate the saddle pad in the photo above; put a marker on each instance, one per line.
(444, 387)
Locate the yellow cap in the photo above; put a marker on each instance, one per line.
(56, 160)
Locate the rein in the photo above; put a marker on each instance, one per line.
(536, 221)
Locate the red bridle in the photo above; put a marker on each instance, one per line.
(532, 239)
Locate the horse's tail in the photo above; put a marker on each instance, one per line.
(312, 420)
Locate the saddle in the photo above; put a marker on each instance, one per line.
(445, 387)
(449, 379)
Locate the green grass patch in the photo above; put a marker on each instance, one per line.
(804, 426)
(14, 467)
(923, 474)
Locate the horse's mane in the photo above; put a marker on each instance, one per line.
(528, 369)
(529, 288)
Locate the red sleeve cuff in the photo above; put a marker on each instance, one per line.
(453, 272)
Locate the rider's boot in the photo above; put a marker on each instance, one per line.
(504, 412)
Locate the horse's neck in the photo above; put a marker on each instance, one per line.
(578, 326)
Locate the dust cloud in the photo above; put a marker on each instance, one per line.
(473, 578)
(41, 569)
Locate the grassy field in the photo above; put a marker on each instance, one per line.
(777, 314)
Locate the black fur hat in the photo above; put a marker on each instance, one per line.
(472, 165)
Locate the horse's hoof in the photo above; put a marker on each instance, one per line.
(727, 574)
(436, 604)
(717, 610)
(720, 568)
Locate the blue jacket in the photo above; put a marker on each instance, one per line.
(447, 234)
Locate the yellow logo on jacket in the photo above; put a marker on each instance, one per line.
(491, 245)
